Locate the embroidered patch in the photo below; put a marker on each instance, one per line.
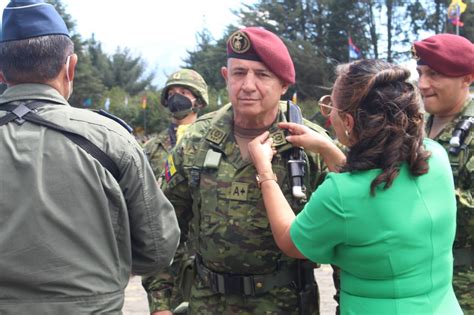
(170, 169)
(278, 137)
(215, 135)
(238, 191)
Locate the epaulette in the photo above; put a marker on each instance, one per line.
(120, 121)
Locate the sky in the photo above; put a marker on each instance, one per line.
(160, 31)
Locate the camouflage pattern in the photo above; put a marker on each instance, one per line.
(191, 80)
(225, 212)
(463, 172)
(156, 150)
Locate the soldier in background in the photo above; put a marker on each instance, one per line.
(79, 207)
(446, 70)
(211, 182)
(184, 94)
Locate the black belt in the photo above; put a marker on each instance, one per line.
(252, 285)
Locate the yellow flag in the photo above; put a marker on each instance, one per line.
(144, 102)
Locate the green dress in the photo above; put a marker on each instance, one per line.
(394, 249)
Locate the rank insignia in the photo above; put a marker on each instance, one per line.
(239, 42)
(278, 138)
(215, 135)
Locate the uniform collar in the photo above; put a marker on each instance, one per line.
(32, 91)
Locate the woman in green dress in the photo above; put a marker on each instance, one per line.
(385, 215)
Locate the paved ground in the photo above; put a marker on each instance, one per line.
(136, 303)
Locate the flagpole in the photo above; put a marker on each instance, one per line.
(144, 122)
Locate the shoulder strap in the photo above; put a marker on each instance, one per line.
(24, 112)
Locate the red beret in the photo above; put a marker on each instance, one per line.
(448, 54)
(258, 44)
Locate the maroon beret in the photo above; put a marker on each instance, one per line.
(258, 44)
(448, 54)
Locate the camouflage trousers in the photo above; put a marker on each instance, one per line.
(463, 283)
(279, 301)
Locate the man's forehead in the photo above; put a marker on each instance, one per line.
(234, 63)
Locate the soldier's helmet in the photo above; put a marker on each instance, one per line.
(191, 80)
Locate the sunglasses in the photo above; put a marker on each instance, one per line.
(325, 105)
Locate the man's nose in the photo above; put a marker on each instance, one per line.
(249, 82)
(423, 83)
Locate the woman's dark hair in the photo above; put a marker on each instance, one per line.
(388, 123)
(34, 60)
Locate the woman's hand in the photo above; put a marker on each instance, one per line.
(302, 136)
(307, 138)
(261, 152)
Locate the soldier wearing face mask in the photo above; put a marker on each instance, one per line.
(184, 94)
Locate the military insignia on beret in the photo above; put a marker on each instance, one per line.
(413, 53)
(239, 42)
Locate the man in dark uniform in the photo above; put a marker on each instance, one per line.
(446, 69)
(79, 206)
(211, 182)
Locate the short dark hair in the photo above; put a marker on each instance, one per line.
(388, 122)
(34, 60)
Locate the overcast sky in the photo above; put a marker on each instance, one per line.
(158, 30)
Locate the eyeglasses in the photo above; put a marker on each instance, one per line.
(325, 105)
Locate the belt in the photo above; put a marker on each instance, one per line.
(225, 283)
(463, 256)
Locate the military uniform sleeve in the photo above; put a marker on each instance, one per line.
(153, 224)
(163, 290)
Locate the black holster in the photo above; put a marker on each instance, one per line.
(307, 289)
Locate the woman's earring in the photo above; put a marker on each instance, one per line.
(347, 133)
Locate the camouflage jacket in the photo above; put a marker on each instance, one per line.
(214, 190)
(157, 149)
(462, 166)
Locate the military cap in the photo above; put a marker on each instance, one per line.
(258, 44)
(448, 54)
(24, 19)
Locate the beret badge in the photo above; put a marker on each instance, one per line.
(239, 42)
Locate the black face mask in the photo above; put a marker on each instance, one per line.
(180, 106)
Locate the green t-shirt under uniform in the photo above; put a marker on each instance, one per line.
(395, 248)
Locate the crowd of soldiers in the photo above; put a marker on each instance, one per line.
(83, 206)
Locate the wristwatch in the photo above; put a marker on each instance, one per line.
(264, 177)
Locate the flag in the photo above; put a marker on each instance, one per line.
(354, 52)
(107, 104)
(87, 102)
(454, 12)
(144, 102)
(294, 98)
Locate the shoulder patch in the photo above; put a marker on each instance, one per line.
(170, 169)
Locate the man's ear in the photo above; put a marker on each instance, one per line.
(72, 67)
(468, 79)
(224, 73)
(284, 87)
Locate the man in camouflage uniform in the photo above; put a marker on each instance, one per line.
(185, 92)
(211, 182)
(446, 69)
